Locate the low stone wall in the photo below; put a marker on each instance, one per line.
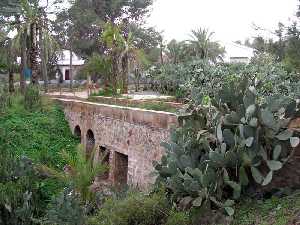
(134, 134)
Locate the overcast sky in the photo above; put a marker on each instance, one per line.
(231, 20)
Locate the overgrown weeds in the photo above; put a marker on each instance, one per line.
(32, 98)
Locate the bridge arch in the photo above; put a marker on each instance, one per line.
(90, 142)
(77, 132)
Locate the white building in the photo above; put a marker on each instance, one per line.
(63, 64)
(236, 53)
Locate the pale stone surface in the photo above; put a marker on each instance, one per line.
(133, 132)
(136, 95)
(78, 94)
(147, 95)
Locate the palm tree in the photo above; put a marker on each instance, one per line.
(114, 41)
(34, 38)
(8, 58)
(177, 52)
(10, 11)
(200, 42)
(137, 61)
(203, 47)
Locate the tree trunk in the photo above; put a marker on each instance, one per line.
(10, 60)
(11, 87)
(23, 62)
(136, 80)
(33, 54)
(43, 50)
(125, 73)
(161, 55)
(71, 68)
(115, 68)
(23, 55)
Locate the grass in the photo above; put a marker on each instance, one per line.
(161, 106)
(40, 135)
(274, 211)
(155, 106)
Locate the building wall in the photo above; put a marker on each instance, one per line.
(75, 71)
(239, 60)
(135, 133)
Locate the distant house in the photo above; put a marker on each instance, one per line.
(63, 64)
(236, 53)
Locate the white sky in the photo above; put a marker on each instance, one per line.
(231, 20)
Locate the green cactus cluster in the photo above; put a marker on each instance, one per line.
(219, 151)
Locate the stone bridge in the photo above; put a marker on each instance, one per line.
(127, 139)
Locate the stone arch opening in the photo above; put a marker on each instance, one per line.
(120, 169)
(104, 154)
(90, 142)
(77, 132)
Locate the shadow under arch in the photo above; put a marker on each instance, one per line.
(90, 142)
(77, 132)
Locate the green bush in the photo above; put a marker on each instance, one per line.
(65, 209)
(81, 176)
(178, 218)
(5, 99)
(108, 92)
(32, 98)
(136, 209)
(21, 197)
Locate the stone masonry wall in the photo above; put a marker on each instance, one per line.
(133, 132)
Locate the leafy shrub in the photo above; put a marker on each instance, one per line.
(5, 100)
(136, 209)
(180, 93)
(80, 172)
(21, 198)
(107, 92)
(221, 150)
(178, 218)
(65, 209)
(32, 98)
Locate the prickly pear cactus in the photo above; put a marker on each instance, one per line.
(240, 141)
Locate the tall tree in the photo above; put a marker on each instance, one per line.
(88, 18)
(3, 51)
(29, 19)
(178, 52)
(10, 12)
(292, 50)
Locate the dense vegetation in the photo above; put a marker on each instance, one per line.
(236, 139)
(194, 78)
(26, 142)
